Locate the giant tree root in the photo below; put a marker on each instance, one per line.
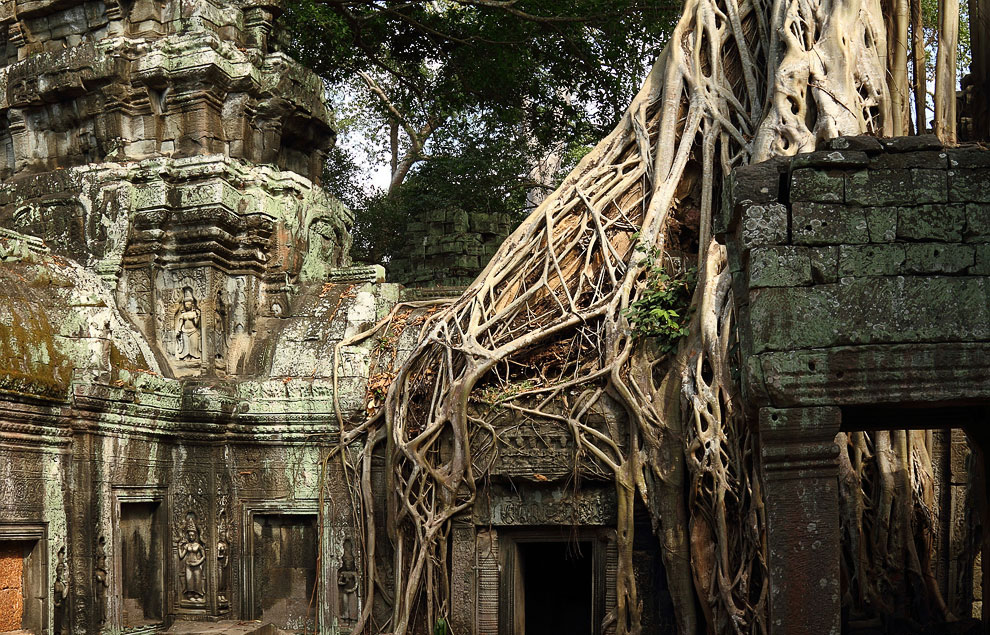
(740, 81)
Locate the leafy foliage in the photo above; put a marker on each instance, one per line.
(663, 311)
(478, 94)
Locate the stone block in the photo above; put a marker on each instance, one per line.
(779, 266)
(825, 224)
(931, 222)
(814, 184)
(977, 222)
(896, 187)
(764, 225)
(859, 143)
(968, 186)
(794, 317)
(913, 309)
(968, 157)
(870, 311)
(938, 258)
(871, 260)
(911, 143)
(981, 264)
(831, 159)
(931, 159)
(881, 223)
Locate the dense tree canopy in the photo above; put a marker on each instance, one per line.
(484, 90)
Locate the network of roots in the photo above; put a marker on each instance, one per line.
(542, 336)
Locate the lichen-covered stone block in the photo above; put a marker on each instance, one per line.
(764, 225)
(870, 260)
(881, 223)
(938, 258)
(815, 184)
(827, 224)
(787, 317)
(931, 222)
(896, 187)
(779, 266)
(968, 185)
(981, 264)
(977, 223)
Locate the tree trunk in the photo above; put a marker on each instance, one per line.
(945, 71)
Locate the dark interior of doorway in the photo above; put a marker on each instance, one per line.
(142, 562)
(557, 579)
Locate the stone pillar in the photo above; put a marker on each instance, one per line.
(462, 576)
(800, 475)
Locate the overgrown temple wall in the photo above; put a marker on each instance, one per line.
(861, 275)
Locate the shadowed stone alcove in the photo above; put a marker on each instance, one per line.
(282, 552)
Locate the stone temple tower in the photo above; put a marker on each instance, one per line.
(173, 281)
(169, 147)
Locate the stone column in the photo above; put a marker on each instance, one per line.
(462, 576)
(800, 475)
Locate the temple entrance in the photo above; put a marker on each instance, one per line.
(553, 581)
(284, 558)
(557, 587)
(142, 578)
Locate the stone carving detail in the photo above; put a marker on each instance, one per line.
(223, 551)
(102, 580)
(192, 553)
(220, 327)
(188, 319)
(554, 507)
(347, 586)
(60, 593)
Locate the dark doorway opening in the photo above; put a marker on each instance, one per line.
(142, 574)
(285, 549)
(557, 586)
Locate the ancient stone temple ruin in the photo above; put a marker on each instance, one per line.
(179, 336)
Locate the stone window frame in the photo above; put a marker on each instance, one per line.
(121, 494)
(38, 532)
(282, 507)
(508, 542)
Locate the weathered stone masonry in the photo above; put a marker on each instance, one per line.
(861, 274)
(174, 285)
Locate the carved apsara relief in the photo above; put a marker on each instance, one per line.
(192, 554)
(347, 586)
(102, 579)
(188, 322)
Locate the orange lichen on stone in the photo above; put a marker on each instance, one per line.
(11, 579)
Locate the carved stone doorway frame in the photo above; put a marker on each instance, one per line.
(123, 494)
(282, 507)
(39, 575)
(509, 541)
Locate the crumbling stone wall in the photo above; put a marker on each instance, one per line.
(449, 248)
(861, 276)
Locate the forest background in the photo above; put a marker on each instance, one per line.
(479, 106)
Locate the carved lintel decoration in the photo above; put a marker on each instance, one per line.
(557, 506)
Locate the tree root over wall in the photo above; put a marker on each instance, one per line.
(739, 82)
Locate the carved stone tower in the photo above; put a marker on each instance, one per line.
(168, 146)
